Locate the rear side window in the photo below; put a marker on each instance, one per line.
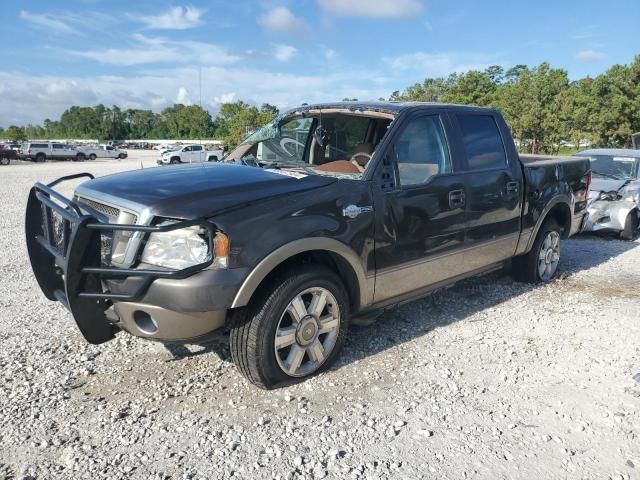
(482, 142)
(197, 148)
(57, 145)
(421, 151)
(39, 145)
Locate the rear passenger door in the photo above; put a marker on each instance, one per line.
(197, 154)
(420, 216)
(58, 151)
(494, 186)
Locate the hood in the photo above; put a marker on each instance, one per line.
(196, 190)
(606, 184)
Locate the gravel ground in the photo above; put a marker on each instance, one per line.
(488, 379)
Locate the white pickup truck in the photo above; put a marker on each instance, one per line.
(190, 154)
(104, 151)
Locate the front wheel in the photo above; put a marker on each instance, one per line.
(293, 330)
(541, 263)
(92, 156)
(631, 225)
(4, 161)
(175, 161)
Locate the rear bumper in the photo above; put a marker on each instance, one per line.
(64, 246)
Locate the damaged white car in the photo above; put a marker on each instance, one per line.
(614, 201)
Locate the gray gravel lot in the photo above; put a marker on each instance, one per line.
(488, 379)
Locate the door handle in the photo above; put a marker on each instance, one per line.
(457, 198)
(512, 188)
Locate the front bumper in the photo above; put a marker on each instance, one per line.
(607, 216)
(64, 247)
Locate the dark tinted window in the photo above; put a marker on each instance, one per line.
(482, 142)
(57, 145)
(39, 145)
(421, 151)
(197, 148)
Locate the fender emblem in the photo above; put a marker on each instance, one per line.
(352, 211)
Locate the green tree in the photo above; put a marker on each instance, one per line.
(15, 134)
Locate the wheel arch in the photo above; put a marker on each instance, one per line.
(324, 251)
(559, 209)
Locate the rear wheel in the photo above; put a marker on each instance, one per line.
(40, 158)
(92, 156)
(541, 263)
(631, 225)
(293, 330)
(80, 157)
(122, 156)
(4, 161)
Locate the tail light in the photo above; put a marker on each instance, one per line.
(29, 152)
(585, 185)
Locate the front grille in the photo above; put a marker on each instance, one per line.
(113, 245)
(108, 210)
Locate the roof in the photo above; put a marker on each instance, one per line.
(614, 152)
(379, 106)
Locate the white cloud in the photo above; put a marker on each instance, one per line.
(590, 56)
(372, 9)
(330, 54)
(176, 18)
(157, 90)
(437, 64)
(280, 19)
(226, 98)
(284, 53)
(49, 22)
(183, 96)
(150, 50)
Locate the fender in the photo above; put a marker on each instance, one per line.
(562, 198)
(275, 258)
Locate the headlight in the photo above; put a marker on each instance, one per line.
(185, 247)
(632, 194)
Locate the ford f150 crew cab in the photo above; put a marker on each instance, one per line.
(358, 207)
(189, 154)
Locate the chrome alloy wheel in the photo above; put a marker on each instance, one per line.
(307, 332)
(549, 256)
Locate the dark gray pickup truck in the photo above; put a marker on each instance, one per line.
(330, 211)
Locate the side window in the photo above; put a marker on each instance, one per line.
(421, 151)
(482, 142)
(57, 146)
(186, 149)
(197, 148)
(109, 147)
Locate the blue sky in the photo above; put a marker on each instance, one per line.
(148, 54)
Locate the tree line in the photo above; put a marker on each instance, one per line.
(188, 122)
(543, 107)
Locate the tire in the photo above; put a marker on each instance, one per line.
(631, 225)
(40, 157)
(80, 157)
(92, 156)
(528, 268)
(5, 161)
(175, 161)
(122, 156)
(253, 331)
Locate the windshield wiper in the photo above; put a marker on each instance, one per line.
(607, 175)
(280, 165)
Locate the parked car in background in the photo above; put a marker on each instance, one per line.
(385, 203)
(192, 153)
(103, 151)
(42, 151)
(8, 154)
(614, 202)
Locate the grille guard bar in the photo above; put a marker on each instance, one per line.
(69, 269)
